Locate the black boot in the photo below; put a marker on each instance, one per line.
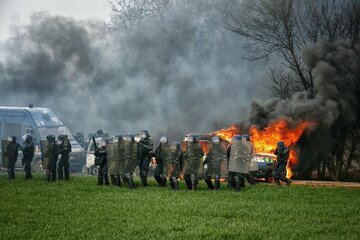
(209, 183)
(48, 176)
(176, 184)
(130, 181)
(217, 182)
(237, 184)
(100, 179)
(194, 182)
(60, 174)
(106, 178)
(113, 180)
(143, 176)
(187, 181)
(163, 181)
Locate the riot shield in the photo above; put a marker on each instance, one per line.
(113, 158)
(240, 156)
(193, 161)
(45, 155)
(129, 156)
(218, 160)
(4, 153)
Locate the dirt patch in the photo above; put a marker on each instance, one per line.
(326, 183)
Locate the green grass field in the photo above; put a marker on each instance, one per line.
(81, 210)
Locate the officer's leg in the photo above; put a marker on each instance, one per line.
(175, 183)
(48, 175)
(208, 181)
(60, 169)
(67, 169)
(100, 175)
(276, 175)
(163, 181)
(144, 171)
(112, 179)
(130, 180)
(242, 180)
(237, 180)
(194, 181)
(53, 175)
(187, 181)
(118, 180)
(9, 173)
(106, 176)
(231, 180)
(28, 169)
(157, 175)
(217, 181)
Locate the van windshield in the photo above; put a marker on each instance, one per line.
(45, 131)
(45, 117)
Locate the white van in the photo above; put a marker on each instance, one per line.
(38, 122)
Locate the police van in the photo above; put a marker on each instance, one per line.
(39, 123)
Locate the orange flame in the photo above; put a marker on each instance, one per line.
(265, 141)
(227, 133)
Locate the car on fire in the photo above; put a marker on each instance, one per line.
(39, 123)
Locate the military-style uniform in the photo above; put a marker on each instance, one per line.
(53, 151)
(192, 160)
(214, 159)
(161, 154)
(12, 150)
(172, 163)
(282, 153)
(103, 167)
(28, 155)
(145, 147)
(63, 166)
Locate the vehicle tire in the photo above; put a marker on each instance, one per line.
(269, 179)
(94, 170)
(39, 167)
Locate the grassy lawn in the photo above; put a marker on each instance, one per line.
(81, 210)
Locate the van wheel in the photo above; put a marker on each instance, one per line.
(39, 167)
(94, 170)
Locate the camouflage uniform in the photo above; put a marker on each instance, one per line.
(214, 160)
(172, 165)
(145, 147)
(192, 160)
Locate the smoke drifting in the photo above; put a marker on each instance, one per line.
(179, 75)
(336, 76)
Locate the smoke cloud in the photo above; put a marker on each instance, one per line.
(178, 75)
(335, 104)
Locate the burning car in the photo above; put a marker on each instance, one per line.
(264, 163)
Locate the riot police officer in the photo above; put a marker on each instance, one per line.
(53, 152)
(282, 153)
(28, 154)
(214, 159)
(101, 155)
(12, 150)
(145, 147)
(64, 150)
(249, 178)
(173, 165)
(161, 153)
(231, 175)
(192, 160)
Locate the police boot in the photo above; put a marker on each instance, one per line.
(242, 182)
(209, 183)
(237, 183)
(100, 179)
(113, 179)
(194, 182)
(187, 181)
(163, 181)
(130, 181)
(48, 176)
(217, 182)
(106, 178)
(176, 184)
(288, 181)
(143, 177)
(60, 174)
(172, 183)
(118, 180)
(123, 177)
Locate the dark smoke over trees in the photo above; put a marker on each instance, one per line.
(171, 73)
(317, 79)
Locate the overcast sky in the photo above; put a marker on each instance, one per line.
(19, 11)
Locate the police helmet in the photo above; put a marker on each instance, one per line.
(215, 139)
(237, 137)
(28, 138)
(163, 140)
(61, 137)
(175, 146)
(144, 134)
(246, 137)
(280, 144)
(190, 138)
(50, 137)
(12, 138)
